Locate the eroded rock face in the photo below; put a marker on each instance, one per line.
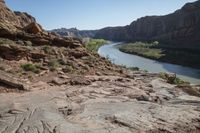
(24, 18)
(13, 52)
(14, 19)
(180, 28)
(22, 26)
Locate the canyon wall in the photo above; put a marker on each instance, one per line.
(180, 28)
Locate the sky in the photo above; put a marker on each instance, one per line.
(92, 14)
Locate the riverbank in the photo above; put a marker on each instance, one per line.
(163, 53)
(94, 44)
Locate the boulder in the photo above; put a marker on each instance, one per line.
(33, 28)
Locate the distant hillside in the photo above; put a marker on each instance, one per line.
(180, 28)
(73, 32)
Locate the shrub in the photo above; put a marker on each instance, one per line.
(172, 79)
(130, 68)
(62, 62)
(68, 69)
(134, 68)
(53, 65)
(30, 67)
(2, 68)
(28, 43)
(47, 49)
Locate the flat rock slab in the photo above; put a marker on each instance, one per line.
(11, 81)
(109, 104)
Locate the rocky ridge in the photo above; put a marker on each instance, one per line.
(53, 84)
(14, 19)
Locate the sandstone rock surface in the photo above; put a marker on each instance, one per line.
(12, 19)
(108, 104)
(33, 28)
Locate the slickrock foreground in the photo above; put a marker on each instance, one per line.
(108, 104)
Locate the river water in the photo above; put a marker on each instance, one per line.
(120, 58)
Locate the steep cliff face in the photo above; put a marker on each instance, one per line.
(180, 27)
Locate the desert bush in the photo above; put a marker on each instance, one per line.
(134, 68)
(47, 49)
(2, 68)
(28, 43)
(171, 78)
(130, 68)
(68, 69)
(30, 67)
(53, 64)
(62, 62)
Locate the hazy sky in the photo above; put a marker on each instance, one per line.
(92, 14)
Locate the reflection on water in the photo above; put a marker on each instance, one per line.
(120, 58)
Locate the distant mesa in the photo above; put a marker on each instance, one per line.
(74, 32)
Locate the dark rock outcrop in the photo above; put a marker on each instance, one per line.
(180, 28)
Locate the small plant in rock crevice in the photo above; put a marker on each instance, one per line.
(172, 79)
(30, 67)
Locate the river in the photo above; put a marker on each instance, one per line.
(129, 60)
